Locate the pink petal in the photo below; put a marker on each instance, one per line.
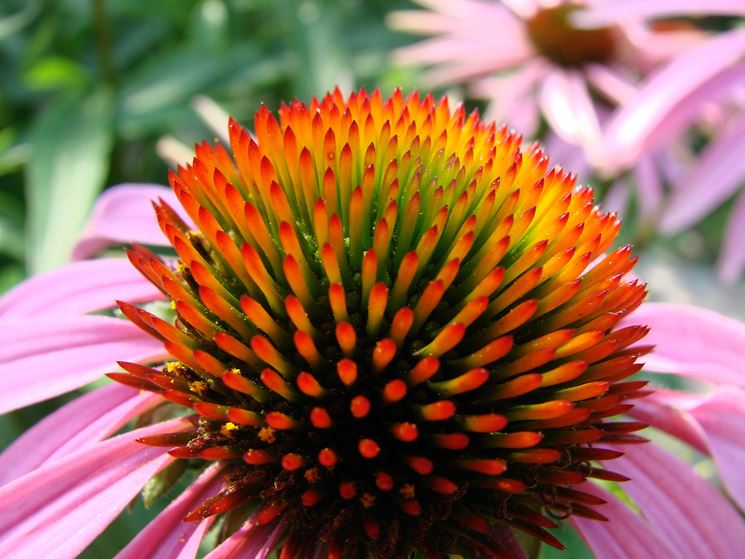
(46, 356)
(719, 172)
(168, 536)
(124, 214)
(683, 508)
(57, 510)
(649, 186)
(566, 104)
(732, 258)
(722, 419)
(662, 414)
(690, 108)
(625, 536)
(610, 83)
(77, 425)
(628, 131)
(693, 341)
(78, 288)
(511, 96)
(252, 540)
(612, 13)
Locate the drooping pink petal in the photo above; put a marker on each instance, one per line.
(719, 172)
(252, 540)
(611, 13)
(649, 186)
(625, 536)
(665, 488)
(610, 83)
(464, 44)
(721, 417)
(566, 104)
(732, 258)
(57, 510)
(693, 341)
(627, 132)
(124, 214)
(167, 536)
(78, 425)
(689, 110)
(657, 411)
(511, 97)
(78, 288)
(46, 356)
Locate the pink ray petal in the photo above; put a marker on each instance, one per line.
(689, 109)
(611, 83)
(46, 356)
(659, 412)
(79, 288)
(732, 258)
(57, 510)
(649, 186)
(252, 540)
(124, 214)
(625, 536)
(566, 104)
(722, 419)
(77, 425)
(694, 342)
(612, 13)
(168, 536)
(511, 95)
(628, 131)
(683, 508)
(719, 172)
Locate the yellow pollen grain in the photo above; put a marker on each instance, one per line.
(173, 366)
(267, 435)
(312, 475)
(228, 429)
(407, 491)
(199, 386)
(173, 305)
(367, 500)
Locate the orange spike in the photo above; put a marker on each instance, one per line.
(383, 354)
(359, 406)
(346, 337)
(347, 371)
(368, 448)
(405, 432)
(437, 411)
(327, 458)
(320, 418)
(309, 386)
(447, 339)
(376, 307)
(394, 391)
(274, 382)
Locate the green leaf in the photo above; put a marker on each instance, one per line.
(162, 482)
(71, 142)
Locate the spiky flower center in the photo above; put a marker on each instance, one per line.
(553, 34)
(385, 326)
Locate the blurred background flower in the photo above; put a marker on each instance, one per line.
(645, 99)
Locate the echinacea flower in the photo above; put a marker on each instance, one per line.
(531, 57)
(392, 329)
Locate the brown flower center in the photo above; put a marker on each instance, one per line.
(553, 34)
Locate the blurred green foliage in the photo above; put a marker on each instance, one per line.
(89, 86)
